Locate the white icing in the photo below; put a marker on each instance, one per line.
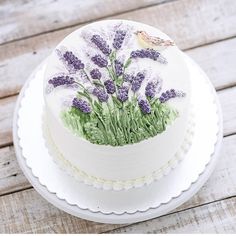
(118, 184)
(130, 161)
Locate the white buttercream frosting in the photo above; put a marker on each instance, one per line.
(131, 161)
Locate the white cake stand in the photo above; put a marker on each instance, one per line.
(117, 207)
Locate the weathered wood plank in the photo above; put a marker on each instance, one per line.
(6, 112)
(227, 99)
(222, 183)
(20, 19)
(228, 108)
(28, 212)
(184, 18)
(11, 177)
(218, 61)
(216, 217)
(175, 16)
(190, 22)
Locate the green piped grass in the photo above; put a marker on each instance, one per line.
(120, 124)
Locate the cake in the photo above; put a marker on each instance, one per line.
(117, 104)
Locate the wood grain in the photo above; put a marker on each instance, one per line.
(228, 103)
(11, 177)
(28, 212)
(222, 183)
(40, 216)
(6, 115)
(216, 217)
(218, 61)
(20, 19)
(18, 59)
(190, 22)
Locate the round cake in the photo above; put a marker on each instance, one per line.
(117, 104)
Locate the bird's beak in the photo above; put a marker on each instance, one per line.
(136, 33)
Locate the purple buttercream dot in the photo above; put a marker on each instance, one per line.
(101, 44)
(144, 106)
(72, 61)
(150, 89)
(110, 86)
(82, 105)
(167, 95)
(61, 80)
(99, 61)
(128, 78)
(123, 93)
(148, 53)
(100, 94)
(137, 82)
(162, 99)
(118, 68)
(95, 74)
(119, 38)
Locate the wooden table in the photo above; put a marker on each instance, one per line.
(204, 29)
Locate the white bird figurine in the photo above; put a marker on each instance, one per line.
(147, 41)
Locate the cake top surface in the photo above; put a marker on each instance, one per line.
(116, 82)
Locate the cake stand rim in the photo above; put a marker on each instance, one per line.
(113, 217)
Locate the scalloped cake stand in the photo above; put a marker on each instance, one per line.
(125, 206)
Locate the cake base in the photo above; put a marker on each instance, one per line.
(126, 206)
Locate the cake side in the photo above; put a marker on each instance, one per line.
(115, 160)
(118, 183)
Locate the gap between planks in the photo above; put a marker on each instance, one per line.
(216, 217)
(131, 8)
(171, 213)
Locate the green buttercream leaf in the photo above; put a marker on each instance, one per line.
(119, 124)
(117, 102)
(128, 62)
(85, 94)
(119, 81)
(112, 56)
(98, 83)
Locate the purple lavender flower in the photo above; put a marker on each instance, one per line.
(101, 44)
(118, 68)
(137, 81)
(110, 86)
(148, 53)
(99, 61)
(165, 96)
(128, 78)
(95, 74)
(123, 93)
(81, 105)
(61, 80)
(118, 39)
(150, 89)
(100, 94)
(144, 106)
(72, 61)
